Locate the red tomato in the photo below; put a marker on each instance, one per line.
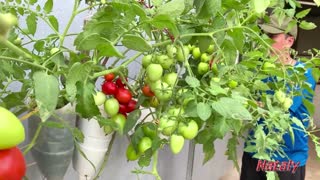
(13, 165)
(147, 91)
(109, 88)
(109, 77)
(119, 83)
(123, 109)
(131, 106)
(123, 95)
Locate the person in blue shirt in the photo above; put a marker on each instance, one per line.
(297, 151)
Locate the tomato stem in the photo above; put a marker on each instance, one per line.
(34, 139)
(14, 48)
(73, 15)
(25, 62)
(154, 165)
(29, 114)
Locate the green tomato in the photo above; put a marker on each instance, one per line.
(188, 131)
(203, 68)
(144, 144)
(167, 126)
(170, 78)
(154, 72)
(103, 1)
(165, 61)
(176, 143)
(232, 84)
(191, 47)
(149, 129)
(146, 60)
(215, 79)
(6, 22)
(111, 106)
(210, 49)
(54, 50)
(268, 66)
(182, 53)
(280, 96)
(131, 153)
(17, 41)
(214, 68)
(287, 103)
(171, 50)
(163, 91)
(11, 130)
(175, 111)
(205, 57)
(154, 102)
(196, 53)
(120, 120)
(99, 98)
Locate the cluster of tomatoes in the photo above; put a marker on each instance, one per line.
(117, 100)
(12, 162)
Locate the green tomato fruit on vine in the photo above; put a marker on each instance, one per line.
(131, 153)
(154, 72)
(54, 50)
(99, 98)
(146, 60)
(17, 41)
(11, 129)
(149, 130)
(203, 68)
(215, 79)
(176, 143)
(166, 63)
(111, 106)
(7, 20)
(189, 130)
(232, 84)
(196, 53)
(171, 50)
(210, 49)
(268, 66)
(167, 126)
(191, 47)
(120, 120)
(170, 78)
(163, 91)
(287, 103)
(182, 53)
(154, 102)
(144, 144)
(280, 96)
(205, 57)
(175, 111)
(214, 68)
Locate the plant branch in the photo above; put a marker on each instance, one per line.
(26, 116)
(73, 15)
(14, 48)
(34, 139)
(25, 62)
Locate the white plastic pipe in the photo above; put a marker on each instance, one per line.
(95, 146)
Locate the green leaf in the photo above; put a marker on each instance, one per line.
(238, 38)
(48, 6)
(39, 46)
(173, 8)
(78, 72)
(95, 41)
(14, 99)
(54, 22)
(137, 43)
(132, 119)
(207, 8)
(208, 150)
(162, 21)
(310, 106)
(204, 136)
(317, 2)
(303, 13)
(232, 151)
(204, 111)
(231, 109)
(229, 50)
(46, 89)
(32, 2)
(260, 6)
(32, 23)
(145, 159)
(85, 102)
(216, 89)
(204, 43)
(219, 127)
(192, 81)
(307, 25)
(190, 110)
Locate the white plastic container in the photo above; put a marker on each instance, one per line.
(95, 146)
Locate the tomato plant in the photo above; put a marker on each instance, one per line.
(208, 64)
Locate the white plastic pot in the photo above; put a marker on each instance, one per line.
(95, 146)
